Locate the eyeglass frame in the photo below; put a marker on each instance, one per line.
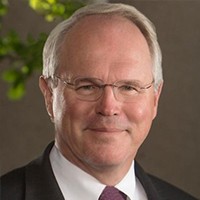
(101, 87)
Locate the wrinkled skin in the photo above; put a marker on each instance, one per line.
(102, 137)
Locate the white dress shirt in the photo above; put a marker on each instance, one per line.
(76, 184)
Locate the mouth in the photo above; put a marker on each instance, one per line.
(106, 130)
(107, 125)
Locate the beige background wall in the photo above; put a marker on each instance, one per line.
(172, 149)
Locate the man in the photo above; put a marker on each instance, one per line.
(101, 82)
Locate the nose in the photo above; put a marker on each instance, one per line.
(108, 105)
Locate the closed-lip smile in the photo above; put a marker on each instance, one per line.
(105, 130)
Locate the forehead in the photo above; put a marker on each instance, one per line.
(105, 24)
(103, 42)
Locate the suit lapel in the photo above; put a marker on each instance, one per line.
(40, 181)
(147, 184)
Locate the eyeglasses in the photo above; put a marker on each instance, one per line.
(91, 89)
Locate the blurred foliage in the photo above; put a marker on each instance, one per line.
(3, 7)
(53, 9)
(24, 57)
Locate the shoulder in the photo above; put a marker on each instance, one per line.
(158, 189)
(13, 184)
(168, 191)
(32, 181)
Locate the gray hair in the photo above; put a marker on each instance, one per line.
(56, 37)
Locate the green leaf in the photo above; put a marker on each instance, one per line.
(16, 92)
(3, 7)
(25, 56)
(25, 69)
(49, 18)
(10, 75)
(51, 1)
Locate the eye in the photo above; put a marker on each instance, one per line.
(86, 88)
(128, 87)
(89, 87)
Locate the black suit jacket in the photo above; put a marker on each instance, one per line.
(36, 181)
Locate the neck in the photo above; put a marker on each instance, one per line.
(106, 174)
(109, 175)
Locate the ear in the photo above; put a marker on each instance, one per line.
(48, 96)
(156, 98)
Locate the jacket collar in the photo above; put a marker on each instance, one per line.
(146, 182)
(41, 183)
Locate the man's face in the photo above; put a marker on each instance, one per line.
(107, 132)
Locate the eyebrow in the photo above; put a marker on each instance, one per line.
(98, 80)
(132, 82)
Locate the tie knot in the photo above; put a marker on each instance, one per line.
(112, 193)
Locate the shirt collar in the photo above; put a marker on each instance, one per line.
(127, 184)
(76, 184)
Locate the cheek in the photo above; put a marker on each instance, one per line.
(141, 111)
(62, 110)
(140, 116)
(69, 114)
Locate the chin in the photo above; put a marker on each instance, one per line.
(106, 159)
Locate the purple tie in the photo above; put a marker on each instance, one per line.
(112, 193)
